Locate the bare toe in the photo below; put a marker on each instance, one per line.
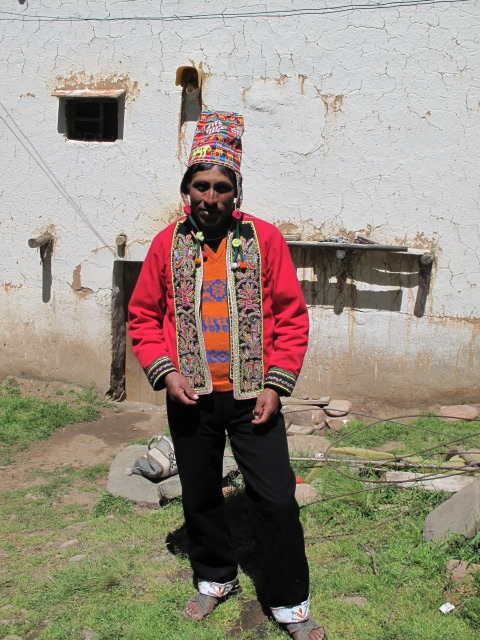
(199, 606)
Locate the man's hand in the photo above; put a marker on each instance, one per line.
(266, 406)
(179, 389)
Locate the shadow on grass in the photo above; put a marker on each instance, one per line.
(240, 521)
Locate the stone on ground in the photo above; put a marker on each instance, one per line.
(69, 543)
(171, 488)
(307, 445)
(299, 430)
(474, 453)
(460, 514)
(427, 481)
(358, 600)
(78, 558)
(458, 412)
(136, 488)
(305, 415)
(305, 493)
(461, 571)
(142, 490)
(317, 401)
(338, 408)
(337, 424)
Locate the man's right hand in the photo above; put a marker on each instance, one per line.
(179, 389)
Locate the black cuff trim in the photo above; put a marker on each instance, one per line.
(281, 381)
(157, 371)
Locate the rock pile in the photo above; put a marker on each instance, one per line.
(307, 416)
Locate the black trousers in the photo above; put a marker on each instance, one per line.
(261, 453)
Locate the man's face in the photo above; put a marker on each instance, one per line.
(212, 197)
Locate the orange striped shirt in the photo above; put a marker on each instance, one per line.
(215, 320)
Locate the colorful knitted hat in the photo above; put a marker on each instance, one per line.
(218, 140)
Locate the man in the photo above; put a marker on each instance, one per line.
(218, 318)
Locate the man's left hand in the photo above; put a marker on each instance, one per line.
(267, 405)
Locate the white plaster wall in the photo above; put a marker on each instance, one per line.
(357, 121)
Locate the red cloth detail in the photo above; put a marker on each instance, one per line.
(152, 313)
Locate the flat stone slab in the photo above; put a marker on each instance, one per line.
(171, 488)
(338, 408)
(461, 571)
(360, 601)
(319, 402)
(142, 490)
(460, 514)
(456, 412)
(308, 416)
(307, 445)
(306, 493)
(427, 481)
(337, 424)
(136, 488)
(299, 430)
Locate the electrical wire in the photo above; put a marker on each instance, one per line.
(267, 13)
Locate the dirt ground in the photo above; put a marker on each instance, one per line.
(121, 424)
(81, 444)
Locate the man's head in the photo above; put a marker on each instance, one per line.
(211, 189)
(217, 143)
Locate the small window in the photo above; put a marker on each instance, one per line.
(95, 119)
(91, 115)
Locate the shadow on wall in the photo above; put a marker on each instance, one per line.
(362, 280)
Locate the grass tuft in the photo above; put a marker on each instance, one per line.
(111, 505)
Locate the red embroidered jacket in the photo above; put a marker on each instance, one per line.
(268, 315)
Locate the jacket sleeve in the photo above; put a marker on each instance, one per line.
(147, 312)
(290, 316)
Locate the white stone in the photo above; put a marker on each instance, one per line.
(459, 412)
(305, 493)
(358, 600)
(78, 558)
(460, 514)
(307, 416)
(338, 408)
(299, 430)
(460, 570)
(68, 543)
(337, 424)
(307, 445)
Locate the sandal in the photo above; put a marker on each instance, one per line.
(206, 604)
(304, 629)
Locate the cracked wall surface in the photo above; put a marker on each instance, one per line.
(359, 122)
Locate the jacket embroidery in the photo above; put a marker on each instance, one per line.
(245, 309)
(246, 317)
(187, 282)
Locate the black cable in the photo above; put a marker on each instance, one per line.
(281, 13)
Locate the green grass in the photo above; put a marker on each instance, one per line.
(426, 434)
(24, 420)
(124, 574)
